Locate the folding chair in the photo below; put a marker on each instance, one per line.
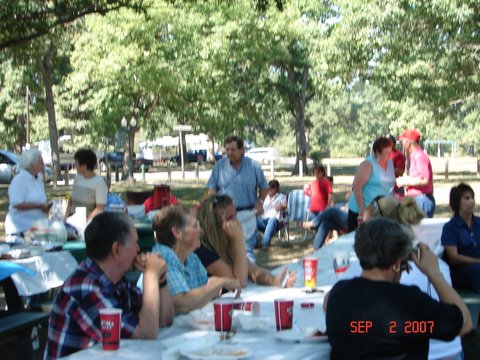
(298, 205)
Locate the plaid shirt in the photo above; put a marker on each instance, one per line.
(75, 322)
(182, 277)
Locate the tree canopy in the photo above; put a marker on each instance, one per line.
(311, 78)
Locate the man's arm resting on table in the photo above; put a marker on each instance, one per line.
(167, 311)
(149, 315)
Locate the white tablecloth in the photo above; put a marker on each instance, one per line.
(263, 344)
(51, 270)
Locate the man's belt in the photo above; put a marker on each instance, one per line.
(245, 208)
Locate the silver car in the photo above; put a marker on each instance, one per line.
(9, 167)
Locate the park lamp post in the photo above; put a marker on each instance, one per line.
(130, 127)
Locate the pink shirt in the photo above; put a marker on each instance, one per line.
(420, 166)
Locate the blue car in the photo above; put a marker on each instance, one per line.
(192, 156)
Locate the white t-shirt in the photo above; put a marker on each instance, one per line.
(88, 192)
(24, 188)
(271, 203)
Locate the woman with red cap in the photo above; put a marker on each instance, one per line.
(419, 181)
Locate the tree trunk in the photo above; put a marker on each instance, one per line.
(300, 101)
(45, 69)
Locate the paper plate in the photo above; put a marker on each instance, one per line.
(217, 352)
(296, 336)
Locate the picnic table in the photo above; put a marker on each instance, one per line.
(196, 329)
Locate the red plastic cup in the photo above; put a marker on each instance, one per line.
(310, 265)
(222, 310)
(341, 261)
(252, 306)
(110, 324)
(283, 313)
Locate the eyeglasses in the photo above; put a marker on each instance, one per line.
(377, 205)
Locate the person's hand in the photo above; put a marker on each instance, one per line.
(231, 284)
(291, 278)
(428, 261)
(45, 207)
(151, 263)
(233, 229)
(402, 181)
(259, 208)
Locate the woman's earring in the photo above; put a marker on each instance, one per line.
(396, 268)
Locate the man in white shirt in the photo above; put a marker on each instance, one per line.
(275, 202)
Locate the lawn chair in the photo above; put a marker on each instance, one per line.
(298, 205)
(283, 230)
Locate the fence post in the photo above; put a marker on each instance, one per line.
(300, 168)
(197, 174)
(329, 169)
(143, 172)
(272, 170)
(169, 173)
(67, 182)
(446, 167)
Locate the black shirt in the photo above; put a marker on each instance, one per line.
(381, 320)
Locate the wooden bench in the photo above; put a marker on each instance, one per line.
(472, 300)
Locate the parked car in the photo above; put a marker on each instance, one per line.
(115, 158)
(264, 155)
(9, 167)
(138, 162)
(192, 156)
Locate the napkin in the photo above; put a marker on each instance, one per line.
(247, 321)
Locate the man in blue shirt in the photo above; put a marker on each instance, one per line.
(240, 177)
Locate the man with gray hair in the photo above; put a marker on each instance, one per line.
(240, 177)
(112, 250)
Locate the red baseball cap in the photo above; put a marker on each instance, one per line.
(411, 134)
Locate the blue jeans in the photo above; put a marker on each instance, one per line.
(426, 203)
(269, 227)
(330, 219)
